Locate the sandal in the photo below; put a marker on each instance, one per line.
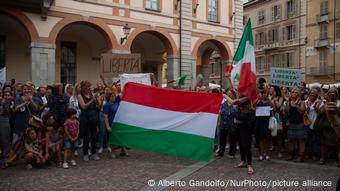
(250, 170)
(241, 165)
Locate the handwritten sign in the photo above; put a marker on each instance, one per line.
(112, 65)
(285, 77)
(263, 111)
(3, 75)
(138, 78)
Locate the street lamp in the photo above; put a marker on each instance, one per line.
(126, 31)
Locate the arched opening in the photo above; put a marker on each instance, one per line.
(212, 57)
(154, 48)
(79, 47)
(15, 53)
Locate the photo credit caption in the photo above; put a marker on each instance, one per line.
(239, 183)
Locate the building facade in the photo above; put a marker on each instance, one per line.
(50, 41)
(323, 41)
(280, 34)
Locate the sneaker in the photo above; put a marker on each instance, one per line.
(73, 163)
(260, 158)
(100, 151)
(231, 157)
(95, 157)
(65, 165)
(267, 158)
(108, 149)
(76, 153)
(86, 158)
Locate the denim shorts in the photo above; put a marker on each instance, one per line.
(68, 144)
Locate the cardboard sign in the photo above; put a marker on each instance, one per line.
(112, 65)
(263, 111)
(138, 78)
(285, 77)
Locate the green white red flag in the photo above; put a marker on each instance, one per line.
(172, 122)
(243, 74)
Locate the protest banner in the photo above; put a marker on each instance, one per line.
(285, 77)
(143, 78)
(112, 65)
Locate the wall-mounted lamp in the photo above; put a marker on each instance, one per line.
(195, 6)
(126, 30)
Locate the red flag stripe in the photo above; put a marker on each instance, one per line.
(175, 100)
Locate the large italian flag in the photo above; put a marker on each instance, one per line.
(243, 74)
(172, 122)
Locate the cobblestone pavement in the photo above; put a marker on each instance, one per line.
(133, 173)
(128, 173)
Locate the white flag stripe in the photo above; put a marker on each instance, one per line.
(159, 119)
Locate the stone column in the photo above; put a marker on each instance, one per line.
(172, 67)
(187, 66)
(42, 63)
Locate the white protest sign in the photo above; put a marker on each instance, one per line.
(285, 77)
(263, 111)
(3, 75)
(137, 78)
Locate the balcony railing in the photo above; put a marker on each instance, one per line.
(271, 46)
(320, 18)
(322, 43)
(321, 71)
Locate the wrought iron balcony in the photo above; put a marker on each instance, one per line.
(320, 18)
(272, 46)
(322, 43)
(321, 71)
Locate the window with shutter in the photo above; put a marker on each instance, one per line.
(261, 17)
(270, 36)
(337, 32)
(323, 58)
(323, 31)
(152, 4)
(324, 8)
(293, 31)
(275, 35)
(276, 12)
(68, 65)
(283, 60)
(290, 57)
(284, 37)
(212, 10)
(291, 8)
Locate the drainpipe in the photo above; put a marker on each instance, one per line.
(180, 38)
(334, 75)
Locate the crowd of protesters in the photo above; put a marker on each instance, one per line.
(39, 124)
(304, 127)
(53, 124)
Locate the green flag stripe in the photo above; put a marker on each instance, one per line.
(161, 141)
(247, 36)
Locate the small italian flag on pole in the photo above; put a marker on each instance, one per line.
(243, 74)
